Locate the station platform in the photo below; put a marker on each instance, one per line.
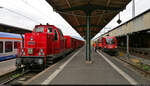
(7, 66)
(74, 70)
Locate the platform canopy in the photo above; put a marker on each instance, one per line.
(101, 12)
(13, 29)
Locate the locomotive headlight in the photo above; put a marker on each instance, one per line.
(22, 50)
(24, 53)
(39, 53)
(42, 53)
(41, 50)
(31, 38)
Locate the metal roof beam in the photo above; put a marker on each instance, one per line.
(91, 32)
(84, 26)
(72, 12)
(108, 3)
(90, 7)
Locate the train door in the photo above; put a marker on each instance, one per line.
(56, 42)
(1, 47)
(50, 33)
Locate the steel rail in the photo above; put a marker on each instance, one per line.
(8, 76)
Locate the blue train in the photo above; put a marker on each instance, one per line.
(8, 45)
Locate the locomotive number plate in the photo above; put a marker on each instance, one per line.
(31, 43)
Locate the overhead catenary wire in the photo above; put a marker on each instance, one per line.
(39, 11)
(42, 12)
(21, 14)
(34, 8)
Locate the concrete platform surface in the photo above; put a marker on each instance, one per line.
(7, 66)
(74, 70)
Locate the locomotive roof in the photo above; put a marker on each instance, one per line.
(13, 29)
(48, 25)
(44, 25)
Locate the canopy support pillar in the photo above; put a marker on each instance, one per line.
(88, 38)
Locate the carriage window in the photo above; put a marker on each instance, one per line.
(110, 41)
(8, 46)
(1, 47)
(39, 29)
(50, 29)
(15, 45)
(55, 35)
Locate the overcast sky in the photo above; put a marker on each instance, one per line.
(28, 13)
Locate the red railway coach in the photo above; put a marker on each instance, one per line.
(72, 43)
(43, 45)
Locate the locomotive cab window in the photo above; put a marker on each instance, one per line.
(50, 29)
(110, 41)
(39, 29)
(55, 35)
(1, 47)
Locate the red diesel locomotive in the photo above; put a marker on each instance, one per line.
(45, 44)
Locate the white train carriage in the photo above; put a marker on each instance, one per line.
(8, 45)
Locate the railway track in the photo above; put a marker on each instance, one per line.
(146, 73)
(136, 67)
(16, 77)
(20, 76)
(141, 53)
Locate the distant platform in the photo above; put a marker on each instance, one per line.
(7, 66)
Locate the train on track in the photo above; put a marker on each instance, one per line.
(8, 45)
(45, 44)
(107, 44)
